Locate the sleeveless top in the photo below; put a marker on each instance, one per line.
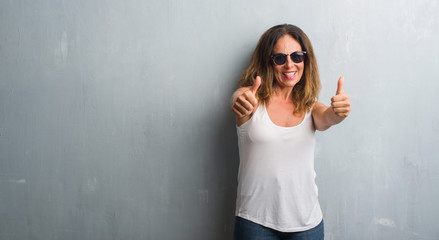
(276, 179)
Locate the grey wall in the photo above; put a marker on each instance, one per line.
(114, 117)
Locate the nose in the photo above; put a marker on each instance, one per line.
(289, 63)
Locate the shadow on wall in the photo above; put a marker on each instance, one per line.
(224, 172)
(223, 162)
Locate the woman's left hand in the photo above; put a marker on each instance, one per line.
(340, 102)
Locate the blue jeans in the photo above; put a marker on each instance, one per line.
(247, 230)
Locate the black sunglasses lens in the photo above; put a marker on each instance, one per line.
(280, 59)
(297, 57)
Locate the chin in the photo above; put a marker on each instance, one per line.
(290, 82)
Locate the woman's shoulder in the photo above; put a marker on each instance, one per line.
(317, 106)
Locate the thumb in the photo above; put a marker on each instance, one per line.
(256, 85)
(340, 85)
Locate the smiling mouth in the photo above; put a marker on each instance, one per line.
(289, 75)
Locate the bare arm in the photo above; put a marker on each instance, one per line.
(324, 116)
(244, 102)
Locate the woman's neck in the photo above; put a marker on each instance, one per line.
(283, 93)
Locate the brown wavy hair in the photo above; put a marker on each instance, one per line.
(306, 91)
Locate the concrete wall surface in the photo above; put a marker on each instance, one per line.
(115, 120)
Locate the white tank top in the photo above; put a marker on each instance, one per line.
(276, 179)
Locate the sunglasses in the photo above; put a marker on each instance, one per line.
(281, 59)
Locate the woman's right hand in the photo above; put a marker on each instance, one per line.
(245, 101)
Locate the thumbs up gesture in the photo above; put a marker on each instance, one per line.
(340, 102)
(245, 100)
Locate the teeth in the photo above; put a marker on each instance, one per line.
(290, 74)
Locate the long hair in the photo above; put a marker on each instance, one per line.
(306, 91)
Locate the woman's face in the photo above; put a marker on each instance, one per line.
(290, 73)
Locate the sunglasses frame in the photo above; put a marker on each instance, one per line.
(299, 53)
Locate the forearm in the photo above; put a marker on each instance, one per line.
(324, 116)
(329, 118)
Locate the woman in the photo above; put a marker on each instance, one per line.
(277, 115)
